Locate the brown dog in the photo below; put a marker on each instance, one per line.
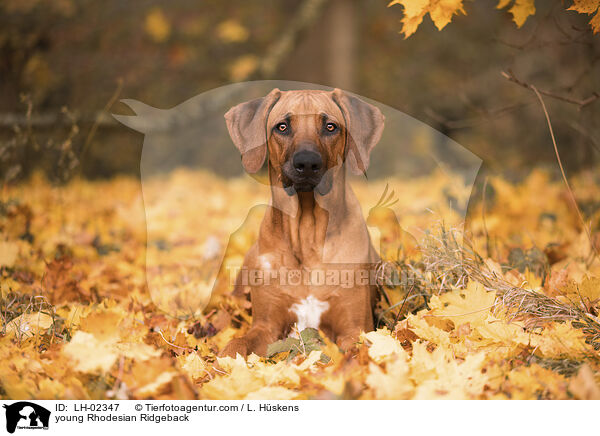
(313, 261)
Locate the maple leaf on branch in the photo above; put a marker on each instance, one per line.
(588, 7)
(520, 10)
(441, 12)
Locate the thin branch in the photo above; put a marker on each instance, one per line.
(483, 210)
(562, 170)
(159, 331)
(100, 116)
(580, 103)
(52, 119)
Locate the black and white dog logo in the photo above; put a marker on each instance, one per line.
(26, 415)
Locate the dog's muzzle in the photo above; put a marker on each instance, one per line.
(303, 171)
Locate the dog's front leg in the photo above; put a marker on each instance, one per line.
(353, 315)
(270, 321)
(255, 340)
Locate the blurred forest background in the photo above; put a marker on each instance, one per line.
(102, 283)
(65, 65)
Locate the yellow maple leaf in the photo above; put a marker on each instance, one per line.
(527, 382)
(520, 10)
(93, 353)
(89, 354)
(585, 6)
(308, 363)
(438, 374)
(391, 384)
(241, 378)
(595, 22)
(136, 350)
(558, 340)
(427, 331)
(590, 288)
(500, 331)
(104, 325)
(222, 338)
(149, 378)
(414, 11)
(412, 8)
(239, 381)
(424, 364)
(280, 373)
(460, 306)
(440, 11)
(30, 324)
(193, 365)
(382, 346)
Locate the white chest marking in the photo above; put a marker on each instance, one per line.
(309, 312)
(264, 262)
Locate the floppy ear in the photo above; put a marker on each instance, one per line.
(364, 125)
(246, 123)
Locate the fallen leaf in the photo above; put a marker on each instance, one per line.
(30, 324)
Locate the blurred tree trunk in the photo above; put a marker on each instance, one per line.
(326, 52)
(342, 44)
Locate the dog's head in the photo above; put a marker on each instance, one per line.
(306, 134)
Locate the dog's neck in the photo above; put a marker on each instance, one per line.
(304, 220)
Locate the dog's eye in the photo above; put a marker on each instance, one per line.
(330, 127)
(282, 127)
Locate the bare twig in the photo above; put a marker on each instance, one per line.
(99, 117)
(562, 171)
(483, 210)
(580, 103)
(159, 331)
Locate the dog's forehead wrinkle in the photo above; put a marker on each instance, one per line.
(305, 104)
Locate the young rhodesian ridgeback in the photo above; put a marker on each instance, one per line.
(312, 264)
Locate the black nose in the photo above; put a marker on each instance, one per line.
(307, 162)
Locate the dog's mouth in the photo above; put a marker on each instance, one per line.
(302, 185)
(293, 183)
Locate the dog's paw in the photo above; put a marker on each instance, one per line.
(234, 347)
(348, 343)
